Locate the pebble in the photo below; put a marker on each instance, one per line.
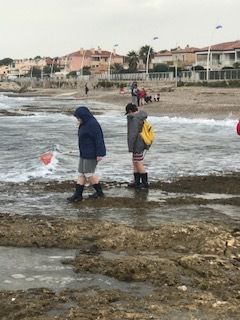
(182, 288)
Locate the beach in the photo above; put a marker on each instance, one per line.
(201, 102)
(170, 252)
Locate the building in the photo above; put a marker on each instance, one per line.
(22, 67)
(163, 56)
(96, 59)
(220, 55)
(184, 58)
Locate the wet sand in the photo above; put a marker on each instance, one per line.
(192, 102)
(191, 269)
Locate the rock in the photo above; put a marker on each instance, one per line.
(182, 288)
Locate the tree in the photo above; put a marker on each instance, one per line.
(132, 59)
(236, 65)
(6, 62)
(36, 72)
(198, 68)
(86, 71)
(49, 69)
(227, 68)
(160, 67)
(72, 74)
(117, 68)
(143, 53)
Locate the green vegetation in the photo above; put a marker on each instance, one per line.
(143, 53)
(160, 67)
(111, 84)
(117, 68)
(6, 62)
(132, 59)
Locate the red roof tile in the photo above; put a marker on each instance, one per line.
(226, 46)
(163, 54)
(90, 53)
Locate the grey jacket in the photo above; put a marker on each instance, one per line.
(134, 126)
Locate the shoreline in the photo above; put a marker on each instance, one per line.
(193, 102)
(220, 103)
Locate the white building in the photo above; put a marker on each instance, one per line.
(220, 55)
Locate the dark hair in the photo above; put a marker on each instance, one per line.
(131, 108)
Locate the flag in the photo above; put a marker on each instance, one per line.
(218, 26)
(46, 157)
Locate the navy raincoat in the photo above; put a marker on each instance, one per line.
(90, 135)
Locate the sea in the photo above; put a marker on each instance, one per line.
(183, 146)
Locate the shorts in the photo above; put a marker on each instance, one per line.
(87, 165)
(137, 157)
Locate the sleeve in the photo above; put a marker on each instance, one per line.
(133, 133)
(98, 138)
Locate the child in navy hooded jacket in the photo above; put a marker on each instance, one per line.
(92, 149)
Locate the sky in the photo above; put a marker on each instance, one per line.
(54, 28)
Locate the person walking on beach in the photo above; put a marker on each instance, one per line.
(135, 94)
(136, 145)
(92, 149)
(86, 89)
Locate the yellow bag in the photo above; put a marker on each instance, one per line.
(147, 133)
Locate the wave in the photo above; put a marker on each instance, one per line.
(181, 120)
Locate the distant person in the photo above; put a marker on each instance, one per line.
(86, 89)
(92, 150)
(136, 145)
(157, 97)
(142, 95)
(148, 99)
(134, 92)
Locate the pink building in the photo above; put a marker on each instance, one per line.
(96, 59)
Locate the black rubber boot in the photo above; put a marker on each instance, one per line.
(136, 182)
(77, 196)
(144, 178)
(98, 193)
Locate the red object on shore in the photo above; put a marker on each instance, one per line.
(238, 128)
(46, 157)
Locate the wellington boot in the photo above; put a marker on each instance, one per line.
(77, 196)
(144, 178)
(98, 193)
(136, 182)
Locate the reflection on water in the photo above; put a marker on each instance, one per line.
(25, 268)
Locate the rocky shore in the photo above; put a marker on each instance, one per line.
(187, 268)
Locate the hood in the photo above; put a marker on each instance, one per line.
(83, 113)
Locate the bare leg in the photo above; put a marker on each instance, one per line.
(81, 180)
(138, 166)
(94, 179)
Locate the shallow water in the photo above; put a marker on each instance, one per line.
(183, 147)
(24, 268)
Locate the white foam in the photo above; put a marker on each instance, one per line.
(18, 276)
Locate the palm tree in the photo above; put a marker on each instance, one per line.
(117, 68)
(133, 59)
(143, 53)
